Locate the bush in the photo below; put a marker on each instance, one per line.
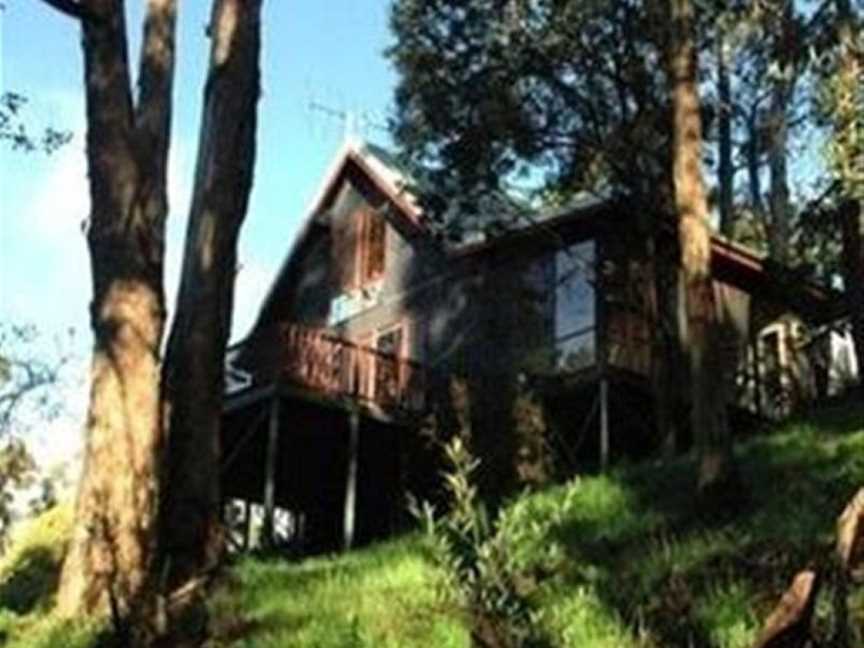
(30, 570)
(483, 573)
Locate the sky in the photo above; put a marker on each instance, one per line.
(327, 52)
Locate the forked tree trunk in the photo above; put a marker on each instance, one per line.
(708, 407)
(190, 536)
(111, 546)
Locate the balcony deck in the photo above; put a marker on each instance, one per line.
(319, 366)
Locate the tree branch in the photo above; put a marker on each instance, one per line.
(155, 82)
(69, 8)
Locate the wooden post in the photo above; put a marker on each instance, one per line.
(270, 472)
(601, 315)
(604, 423)
(247, 524)
(351, 478)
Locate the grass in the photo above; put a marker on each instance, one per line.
(639, 564)
(642, 566)
(383, 596)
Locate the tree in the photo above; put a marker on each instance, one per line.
(847, 156)
(193, 372)
(114, 553)
(14, 130)
(708, 402)
(29, 379)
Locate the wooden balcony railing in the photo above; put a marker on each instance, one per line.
(317, 360)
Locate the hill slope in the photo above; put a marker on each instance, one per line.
(640, 565)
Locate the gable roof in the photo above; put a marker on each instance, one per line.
(380, 168)
(731, 260)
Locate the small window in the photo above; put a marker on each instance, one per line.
(358, 249)
(388, 365)
(375, 246)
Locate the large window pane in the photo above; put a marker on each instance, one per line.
(575, 306)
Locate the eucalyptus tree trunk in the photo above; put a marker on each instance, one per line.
(708, 403)
(753, 154)
(190, 537)
(782, 93)
(111, 548)
(849, 158)
(725, 170)
(852, 235)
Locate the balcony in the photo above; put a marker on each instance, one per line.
(315, 360)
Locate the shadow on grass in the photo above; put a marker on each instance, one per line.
(671, 566)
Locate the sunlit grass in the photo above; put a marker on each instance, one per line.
(382, 596)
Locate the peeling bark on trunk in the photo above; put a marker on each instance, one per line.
(111, 548)
(778, 127)
(190, 536)
(708, 406)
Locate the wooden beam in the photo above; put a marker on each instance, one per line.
(270, 471)
(351, 479)
(601, 343)
(233, 403)
(604, 423)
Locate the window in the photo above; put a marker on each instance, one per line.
(387, 365)
(574, 306)
(374, 246)
(359, 248)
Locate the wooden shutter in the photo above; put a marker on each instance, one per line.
(344, 250)
(375, 232)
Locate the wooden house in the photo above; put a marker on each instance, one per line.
(375, 324)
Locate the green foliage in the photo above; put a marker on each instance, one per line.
(29, 571)
(47, 631)
(483, 571)
(28, 579)
(14, 131)
(543, 97)
(17, 470)
(29, 378)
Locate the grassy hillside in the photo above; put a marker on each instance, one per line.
(640, 566)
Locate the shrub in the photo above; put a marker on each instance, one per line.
(30, 570)
(482, 573)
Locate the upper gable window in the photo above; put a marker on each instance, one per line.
(374, 246)
(359, 249)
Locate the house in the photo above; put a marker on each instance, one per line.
(375, 326)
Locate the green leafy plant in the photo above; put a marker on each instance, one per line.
(482, 572)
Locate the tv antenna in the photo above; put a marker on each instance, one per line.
(355, 123)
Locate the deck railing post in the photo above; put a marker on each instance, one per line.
(270, 471)
(351, 479)
(604, 423)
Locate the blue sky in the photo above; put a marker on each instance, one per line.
(329, 52)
